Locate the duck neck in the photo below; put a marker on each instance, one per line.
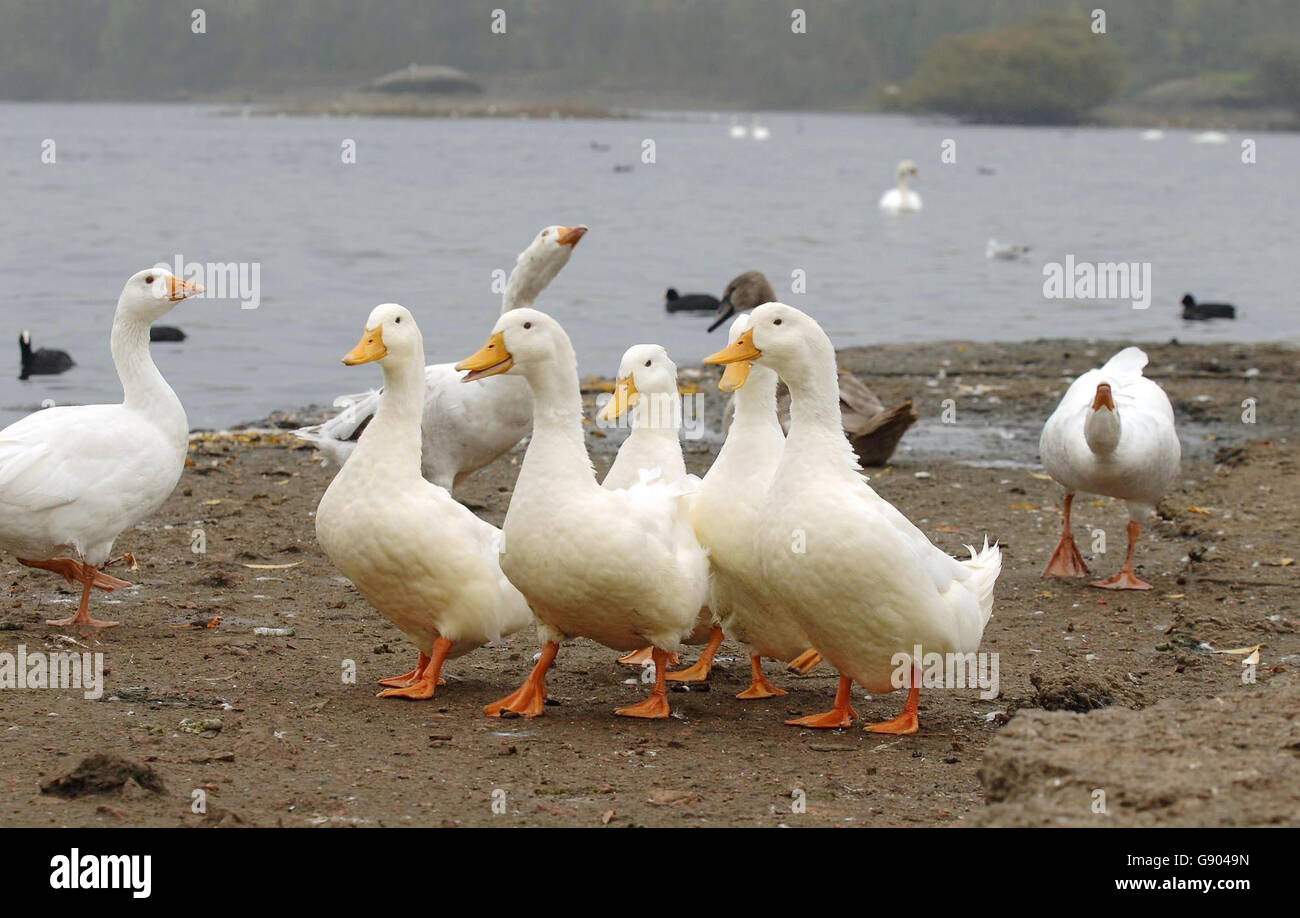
(527, 281)
(1102, 431)
(393, 437)
(816, 425)
(557, 450)
(756, 400)
(657, 414)
(143, 386)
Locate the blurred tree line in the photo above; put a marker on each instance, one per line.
(742, 52)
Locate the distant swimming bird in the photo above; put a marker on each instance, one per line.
(622, 167)
(1152, 134)
(599, 147)
(1194, 311)
(759, 131)
(986, 170)
(166, 333)
(1210, 137)
(1007, 251)
(690, 302)
(737, 131)
(903, 199)
(45, 362)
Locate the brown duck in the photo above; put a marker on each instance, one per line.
(873, 429)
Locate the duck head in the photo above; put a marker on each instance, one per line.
(390, 336)
(522, 341)
(781, 338)
(152, 293)
(745, 292)
(1101, 427)
(645, 374)
(538, 264)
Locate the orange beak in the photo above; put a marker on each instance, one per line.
(737, 356)
(370, 347)
(178, 289)
(569, 235)
(489, 360)
(1103, 397)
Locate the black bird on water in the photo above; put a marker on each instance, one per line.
(689, 302)
(45, 362)
(1195, 311)
(165, 333)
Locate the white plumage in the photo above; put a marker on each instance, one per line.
(1112, 434)
(423, 560)
(902, 199)
(621, 567)
(858, 577)
(465, 427)
(72, 479)
(725, 513)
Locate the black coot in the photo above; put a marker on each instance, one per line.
(1196, 311)
(165, 333)
(689, 302)
(45, 362)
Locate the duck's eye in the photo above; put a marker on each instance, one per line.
(528, 325)
(149, 279)
(647, 363)
(776, 321)
(397, 321)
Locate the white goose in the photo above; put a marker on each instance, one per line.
(647, 387)
(464, 427)
(1112, 434)
(725, 515)
(73, 479)
(419, 557)
(862, 581)
(622, 568)
(902, 200)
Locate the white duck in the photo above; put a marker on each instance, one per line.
(1112, 434)
(862, 581)
(647, 387)
(1005, 251)
(419, 557)
(73, 479)
(902, 200)
(725, 515)
(622, 568)
(464, 427)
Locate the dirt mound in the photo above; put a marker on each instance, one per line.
(104, 774)
(1230, 760)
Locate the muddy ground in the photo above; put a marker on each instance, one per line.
(1122, 693)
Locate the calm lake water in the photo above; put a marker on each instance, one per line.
(432, 207)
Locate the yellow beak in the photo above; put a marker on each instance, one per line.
(370, 347)
(489, 360)
(738, 357)
(624, 397)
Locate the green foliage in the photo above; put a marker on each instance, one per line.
(700, 52)
(1050, 72)
(1279, 75)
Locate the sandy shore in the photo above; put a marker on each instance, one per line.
(269, 730)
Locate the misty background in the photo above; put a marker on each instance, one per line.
(661, 53)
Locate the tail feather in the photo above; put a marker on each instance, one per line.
(985, 565)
